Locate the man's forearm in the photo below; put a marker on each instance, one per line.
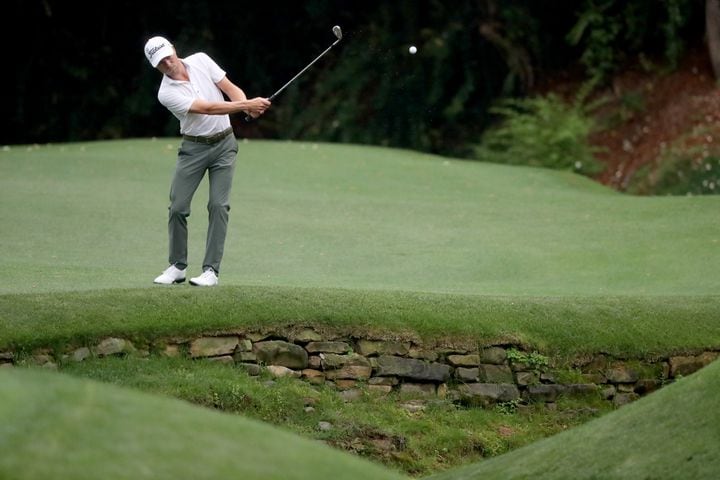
(219, 108)
(236, 94)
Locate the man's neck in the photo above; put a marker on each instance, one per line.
(182, 74)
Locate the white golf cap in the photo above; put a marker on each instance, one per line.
(156, 49)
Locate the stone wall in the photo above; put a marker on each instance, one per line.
(480, 376)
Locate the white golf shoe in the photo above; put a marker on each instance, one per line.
(171, 275)
(207, 279)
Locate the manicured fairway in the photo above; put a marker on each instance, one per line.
(93, 216)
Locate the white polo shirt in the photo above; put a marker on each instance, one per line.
(178, 96)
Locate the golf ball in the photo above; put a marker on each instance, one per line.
(412, 50)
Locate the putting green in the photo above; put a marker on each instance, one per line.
(85, 216)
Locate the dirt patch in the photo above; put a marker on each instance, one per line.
(648, 110)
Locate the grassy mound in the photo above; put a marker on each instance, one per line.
(55, 426)
(670, 434)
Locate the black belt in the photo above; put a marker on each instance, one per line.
(211, 139)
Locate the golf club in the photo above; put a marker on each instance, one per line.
(338, 33)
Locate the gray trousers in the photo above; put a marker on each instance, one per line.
(194, 159)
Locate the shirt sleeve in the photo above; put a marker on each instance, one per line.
(216, 73)
(175, 101)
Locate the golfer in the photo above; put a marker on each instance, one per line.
(192, 89)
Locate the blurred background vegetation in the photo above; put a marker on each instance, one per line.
(77, 71)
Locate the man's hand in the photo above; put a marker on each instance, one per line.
(257, 106)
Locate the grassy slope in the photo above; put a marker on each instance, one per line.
(54, 426)
(671, 434)
(633, 326)
(374, 426)
(92, 215)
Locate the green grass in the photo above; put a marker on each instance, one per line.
(55, 426)
(377, 427)
(625, 326)
(355, 237)
(86, 216)
(346, 237)
(670, 434)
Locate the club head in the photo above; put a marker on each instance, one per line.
(337, 31)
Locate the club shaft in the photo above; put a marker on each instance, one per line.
(303, 70)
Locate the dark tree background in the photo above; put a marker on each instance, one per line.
(76, 70)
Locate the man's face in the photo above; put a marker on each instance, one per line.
(169, 65)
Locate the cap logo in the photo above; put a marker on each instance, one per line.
(153, 50)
